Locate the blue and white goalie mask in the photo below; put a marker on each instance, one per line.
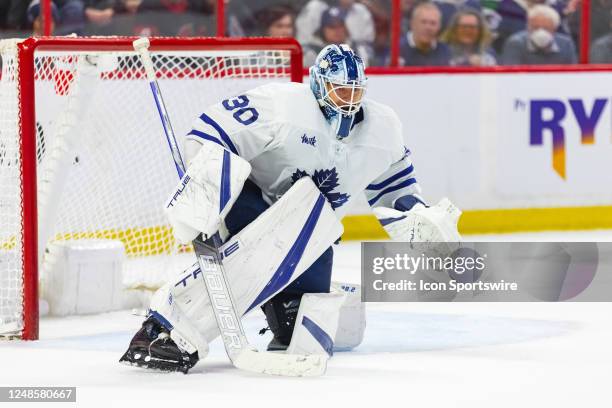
(338, 81)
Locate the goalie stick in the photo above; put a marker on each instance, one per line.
(239, 351)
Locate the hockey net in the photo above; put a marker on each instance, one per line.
(92, 161)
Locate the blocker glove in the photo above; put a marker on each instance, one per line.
(420, 223)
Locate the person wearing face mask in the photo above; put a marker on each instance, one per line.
(540, 44)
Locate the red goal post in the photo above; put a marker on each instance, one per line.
(20, 248)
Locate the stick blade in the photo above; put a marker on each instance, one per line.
(288, 365)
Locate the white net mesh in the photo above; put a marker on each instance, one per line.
(11, 297)
(104, 168)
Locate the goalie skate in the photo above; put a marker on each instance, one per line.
(152, 348)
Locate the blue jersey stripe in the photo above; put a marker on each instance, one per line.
(285, 270)
(206, 136)
(391, 189)
(225, 192)
(387, 221)
(319, 334)
(391, 179)
(224, 136)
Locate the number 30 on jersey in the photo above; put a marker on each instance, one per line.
(242, 113)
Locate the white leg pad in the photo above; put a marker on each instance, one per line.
(316, 324)
(352, 320)
(184, 333)
(261, 260)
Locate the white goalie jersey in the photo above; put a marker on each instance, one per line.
(280, 130)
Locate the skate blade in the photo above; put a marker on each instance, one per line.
(153, 364)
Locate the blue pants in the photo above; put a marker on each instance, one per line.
(247, 207)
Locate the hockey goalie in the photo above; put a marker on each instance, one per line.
(272, 171)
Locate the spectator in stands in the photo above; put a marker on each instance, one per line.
(240, 18)
(381, 14)
(358, 20)
(128, 19)
(163, 17)
(601, 50)
(448, 8)
(540, 44)
(131, 6)
(407, 8)
(188, 18)
(510, 17)
(13, 16)
(99, 14)
(72, 17)
(35, 18)
(421, 47)
(598, 25)
(469, 39)
(276, 21)
(68, 17)
(333, 30)
(601, 17)
(308, 21)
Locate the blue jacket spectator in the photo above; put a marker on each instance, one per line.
(421, 46)
(540, 44)
(68, 17)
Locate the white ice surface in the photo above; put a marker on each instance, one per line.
(414, 355)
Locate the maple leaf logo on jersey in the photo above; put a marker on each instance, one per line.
(298, 174)
(326, 181)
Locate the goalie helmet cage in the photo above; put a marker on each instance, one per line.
(59, 93)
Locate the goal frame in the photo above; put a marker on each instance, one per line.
(27, 126)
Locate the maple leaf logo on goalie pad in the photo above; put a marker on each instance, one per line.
(326, 180)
